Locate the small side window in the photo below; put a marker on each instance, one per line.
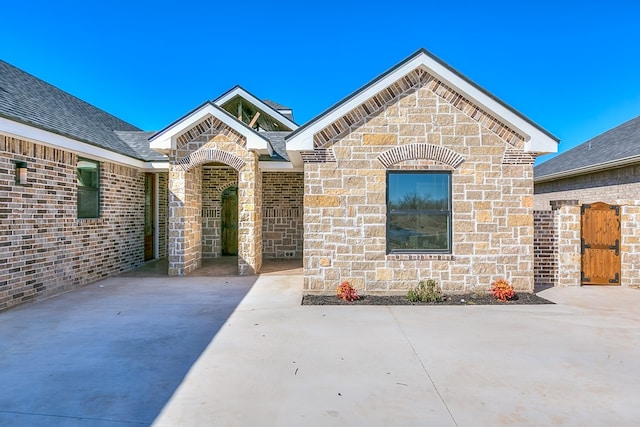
(88, 188)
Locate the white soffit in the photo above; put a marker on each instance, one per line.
(536, 139)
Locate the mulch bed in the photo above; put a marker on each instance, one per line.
(462, 299)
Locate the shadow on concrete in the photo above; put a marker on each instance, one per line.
(111, 353)
(218, 267)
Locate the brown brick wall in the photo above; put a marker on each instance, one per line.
(44, 248)
(545, 253)
(282, 226)
(163, 212)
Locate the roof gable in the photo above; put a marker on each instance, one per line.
(616, 147)
(167, 138)
(450, 85)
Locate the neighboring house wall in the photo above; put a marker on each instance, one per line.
(607, 186)
(492, 192)
(44, 247)
(282, 226)
(620, 187)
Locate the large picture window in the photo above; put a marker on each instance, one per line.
(418, 212)
(88, 189)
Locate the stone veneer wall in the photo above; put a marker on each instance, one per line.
(630, 242)
(282, 227)
(345, 202)
(44, 248)
(215, 179)
(185, 223)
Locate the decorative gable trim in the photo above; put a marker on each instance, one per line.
(371, 106)
(206, 155)
(477, 113)
(449, 84)
(420, 151)
(210, 126)
(407, 84)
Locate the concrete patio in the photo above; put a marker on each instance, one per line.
(116, 353)
(276, 363)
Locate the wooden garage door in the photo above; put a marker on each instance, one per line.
(600, 244)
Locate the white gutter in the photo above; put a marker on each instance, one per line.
(50, 139)
(30, 133)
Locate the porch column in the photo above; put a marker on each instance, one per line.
(185, 222)
(630, 244)
(250, 217)
(567, 220)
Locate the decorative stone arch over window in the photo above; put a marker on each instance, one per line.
(206, 155)
(420, 151)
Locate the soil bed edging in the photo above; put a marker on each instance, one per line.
(461, 299)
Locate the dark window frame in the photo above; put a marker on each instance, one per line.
(88, 192)
(448, 213)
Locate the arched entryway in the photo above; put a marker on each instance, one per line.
(229, 222)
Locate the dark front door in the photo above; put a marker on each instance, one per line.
(600, 243)
(149, 217)
(230, 221)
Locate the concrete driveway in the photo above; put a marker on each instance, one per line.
(109, 354)
(113, 353)
(277, 363)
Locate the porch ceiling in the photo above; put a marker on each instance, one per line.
(253, 116)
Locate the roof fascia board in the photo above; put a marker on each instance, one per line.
(156, 166)
(40, 136)
(538, 140)
(613, 164)
(238, 90)
(166, 139)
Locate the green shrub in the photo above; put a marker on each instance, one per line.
(426, 292)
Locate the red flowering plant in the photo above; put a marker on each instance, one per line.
(502, 290)
(347, 292)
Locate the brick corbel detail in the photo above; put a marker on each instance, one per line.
(420, 151)
(319, 155)
(518, 157)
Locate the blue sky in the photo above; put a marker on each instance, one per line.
(570, 66)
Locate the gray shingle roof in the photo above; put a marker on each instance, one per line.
(279, 108)
(29, 100)
(277, 143)
(619, 143)
(139, 142)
